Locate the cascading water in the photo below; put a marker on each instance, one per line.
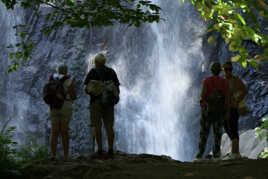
(165, 104)
(8, 19)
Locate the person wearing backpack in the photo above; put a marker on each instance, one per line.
(102, 85)
(59, 93)
(238, 92)
(214, 103)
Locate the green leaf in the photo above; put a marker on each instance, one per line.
(236, 58)
(18, 55)
(253, 63)
(23, 35)
(241, 19)
(258, 129)
(10, 46)
(11, 55)
(265, 119)
(244, 63)
(70, 2)
(211, 39)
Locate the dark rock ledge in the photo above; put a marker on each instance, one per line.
(141, 166)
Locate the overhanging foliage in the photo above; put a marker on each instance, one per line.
(79, 14)
(237, 21)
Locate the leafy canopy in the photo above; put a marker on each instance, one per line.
(78, 14)
(237, 21)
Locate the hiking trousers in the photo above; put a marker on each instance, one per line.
(216, 122)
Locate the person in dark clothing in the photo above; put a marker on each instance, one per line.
(98, 112)
(210, 117)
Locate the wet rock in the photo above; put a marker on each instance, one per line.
(250, 145)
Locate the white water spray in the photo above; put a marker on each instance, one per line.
(157, 125)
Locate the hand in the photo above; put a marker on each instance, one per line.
(234, 103)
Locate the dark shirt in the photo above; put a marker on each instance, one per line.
(103, 74)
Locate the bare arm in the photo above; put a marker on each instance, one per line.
(242, 89)
(72, 91)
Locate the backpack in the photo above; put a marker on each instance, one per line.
(54, 93)
(110, 94)
(94, 87)
(216, 100)
(106, 89)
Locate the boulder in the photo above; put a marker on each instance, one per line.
(250, 145)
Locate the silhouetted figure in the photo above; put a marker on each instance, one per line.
(214, 103)
(60, 93)
(238, 92)
(97, 81)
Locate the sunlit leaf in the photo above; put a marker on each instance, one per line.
(241, 19)
(211, 39)
(265, 119)
(236, 58)
(244, 63)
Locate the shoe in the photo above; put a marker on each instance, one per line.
(232, 156)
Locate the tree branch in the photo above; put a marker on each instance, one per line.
(265, 6)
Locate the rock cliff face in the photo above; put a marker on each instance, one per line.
(159, 67)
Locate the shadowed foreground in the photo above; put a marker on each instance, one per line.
(141, 166)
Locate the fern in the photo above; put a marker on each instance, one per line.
(7, 149)
(264, 154)
(32, 150)
(262, 131)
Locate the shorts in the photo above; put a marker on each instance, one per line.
(61, 115)
(98, 113)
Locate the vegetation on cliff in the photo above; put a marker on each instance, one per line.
(238, 21)
(77, 14)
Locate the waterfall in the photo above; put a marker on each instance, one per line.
(8, 100)
(156, 115)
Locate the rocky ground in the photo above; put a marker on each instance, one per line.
(142, 166)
